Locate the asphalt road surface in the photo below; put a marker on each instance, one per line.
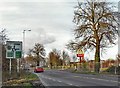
(56, 78)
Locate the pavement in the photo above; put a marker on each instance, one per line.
(56, 78)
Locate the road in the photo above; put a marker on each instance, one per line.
(53, 78)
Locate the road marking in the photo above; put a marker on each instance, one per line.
(59, 81)
(77, 85)
(69, 84)
(76, 76)
(53, 79)
(92, 78)
(49, 78)
(98, 79)
(105, 80)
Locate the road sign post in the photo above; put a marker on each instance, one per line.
(10, 67)
(80, 54)
(14, 51)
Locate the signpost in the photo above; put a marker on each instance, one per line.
(80, 54)
(14, 51)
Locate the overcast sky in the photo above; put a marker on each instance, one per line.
(50, 22)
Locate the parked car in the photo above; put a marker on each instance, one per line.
(38, 69)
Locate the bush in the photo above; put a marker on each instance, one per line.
(112, 70)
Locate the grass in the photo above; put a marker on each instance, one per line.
(24, 80)
(31, 76)
(27, 85)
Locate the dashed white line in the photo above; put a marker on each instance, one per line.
(76, 85)
(53, 79)
(105, 80)
(69, 84)
(49, 78)
(97, 79)
(59, 81)
(92, 78)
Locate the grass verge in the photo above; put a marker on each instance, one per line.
(24, 79)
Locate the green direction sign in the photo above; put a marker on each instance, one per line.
(14, 49)
(18, 54)
(10, 54)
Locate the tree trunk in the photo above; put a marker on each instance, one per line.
(37, 63)
(50, 65)
(97, 58)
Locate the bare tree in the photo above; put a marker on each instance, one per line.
(96, 28)
(54, 58)
(66, 58)
(3, 36)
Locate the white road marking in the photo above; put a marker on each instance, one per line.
(69, 83)
(76, 76)
(53, 79)
(98, 79)
(59, 81)
(77, 85)
(49, 78)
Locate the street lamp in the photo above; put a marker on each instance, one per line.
(24, 41)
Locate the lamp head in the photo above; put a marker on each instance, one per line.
(29, 30)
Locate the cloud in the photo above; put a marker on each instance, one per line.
(39, 1)
(49, 40)
(50, 21)
(54, 0)
(38, 36)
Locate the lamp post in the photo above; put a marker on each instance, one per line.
(24, 42)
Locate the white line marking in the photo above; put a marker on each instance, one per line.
(59, 81)
(53, 79)
(105, 80)
(77, 85)
(49, 78)
(69, 84)
(98, 79)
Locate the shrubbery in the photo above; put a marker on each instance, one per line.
(112, 70)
